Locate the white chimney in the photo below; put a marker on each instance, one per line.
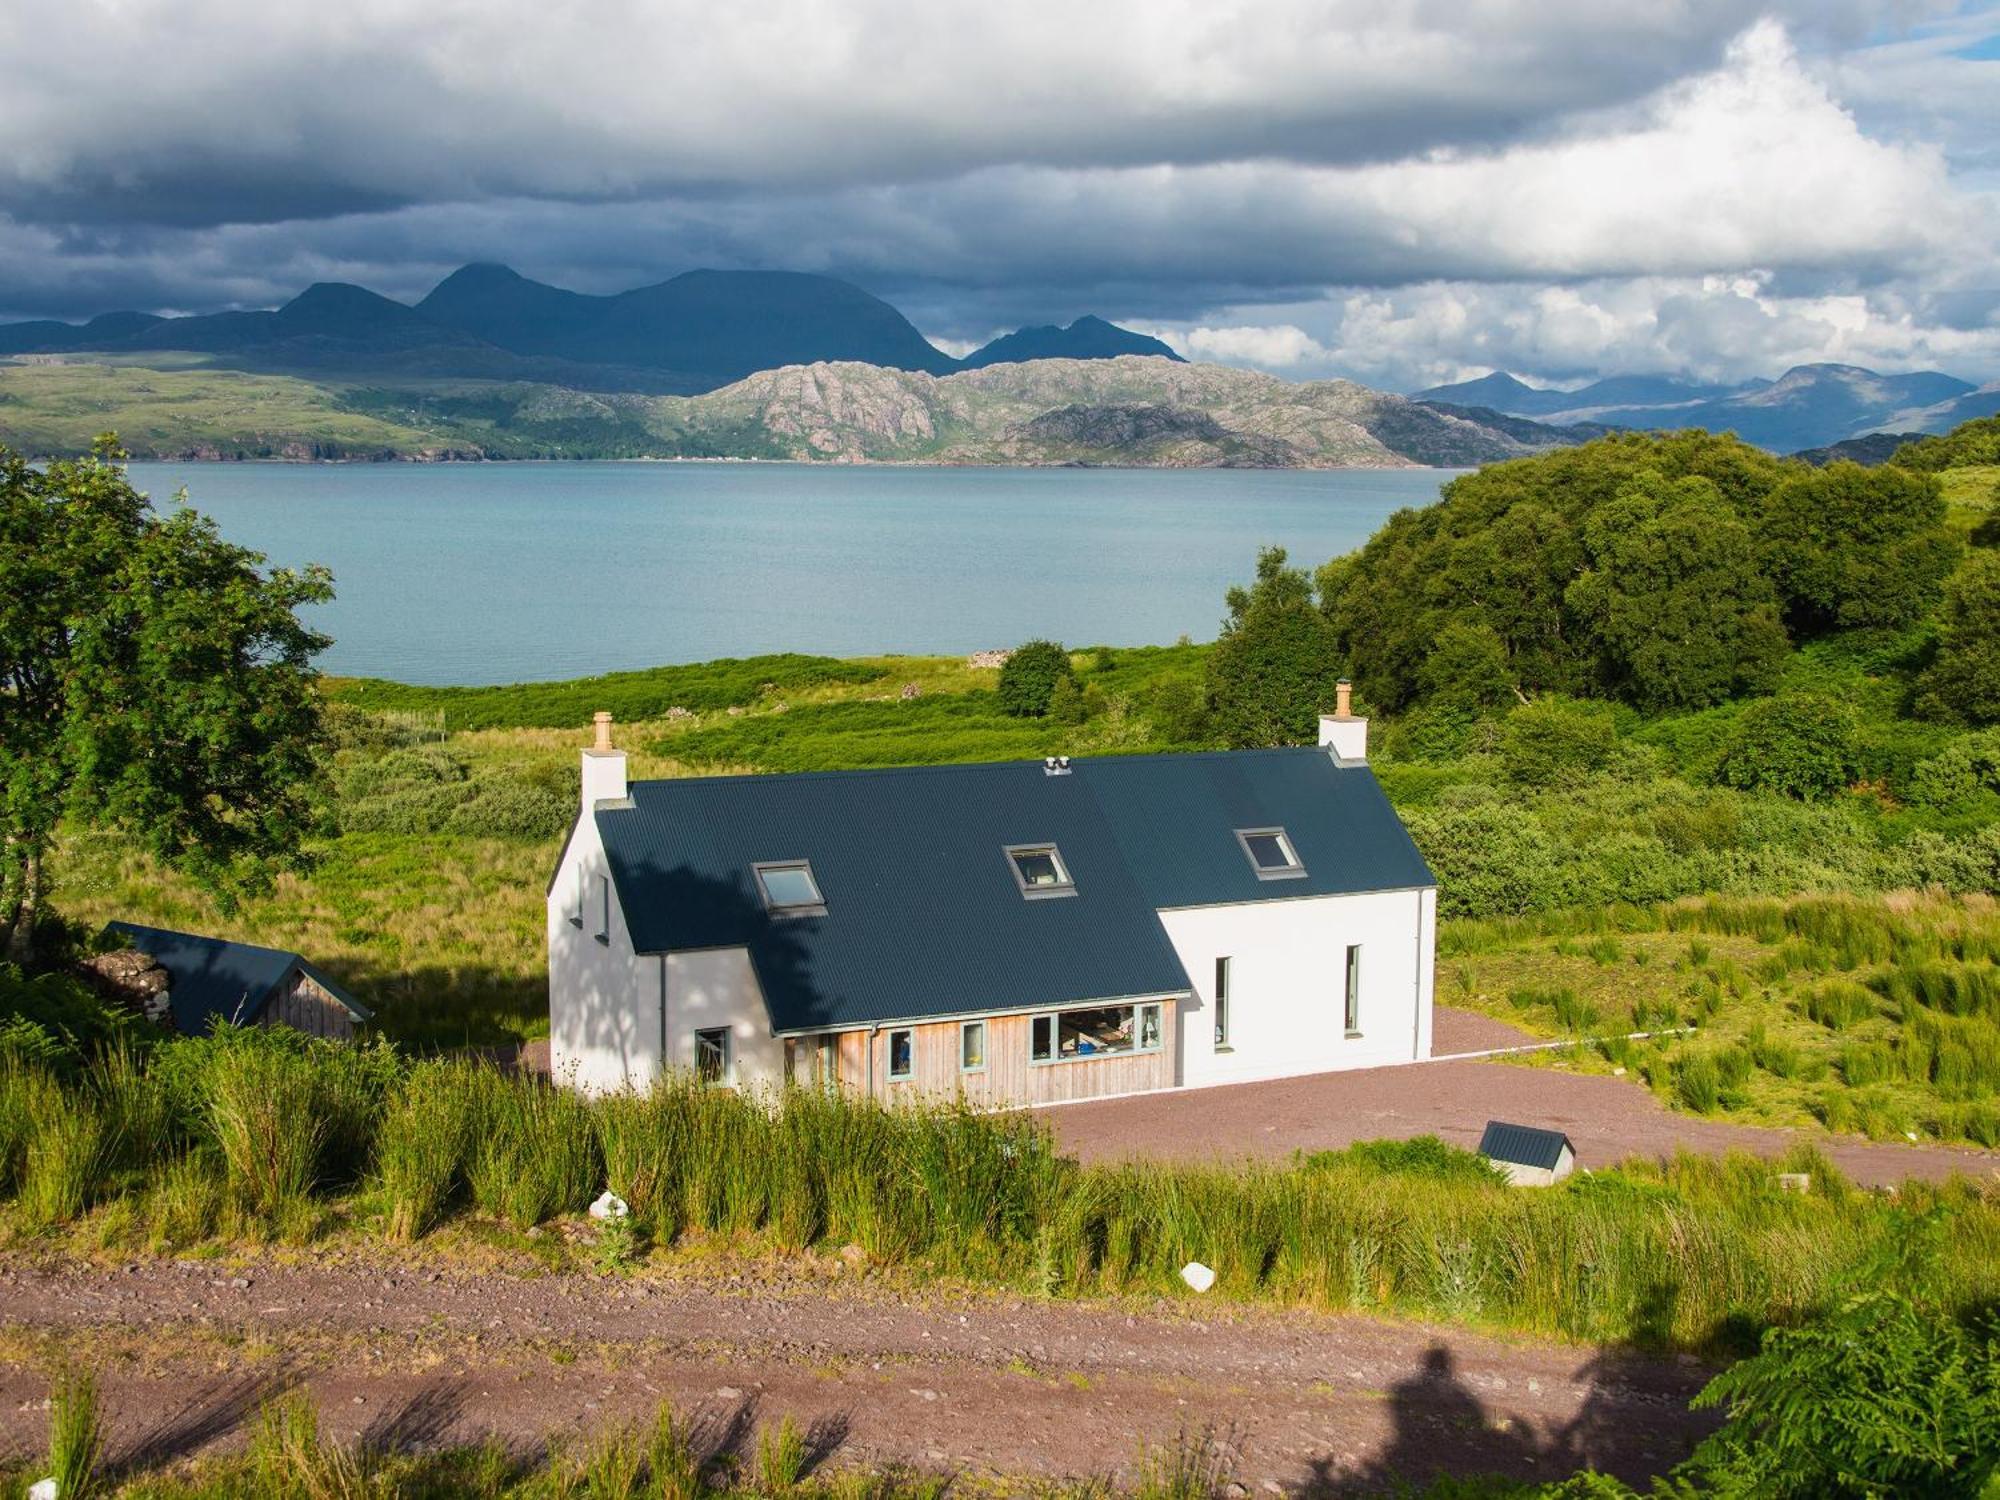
(1341, 732)
(603, 767)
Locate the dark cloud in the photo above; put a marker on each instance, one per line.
(1161, 161)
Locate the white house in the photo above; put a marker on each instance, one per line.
(1022, 932)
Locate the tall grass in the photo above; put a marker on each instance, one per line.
(1685, 1253)
(76, 1435)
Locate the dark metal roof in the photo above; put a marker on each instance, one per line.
(924, 917)
(217, 980)
(1524, 1145)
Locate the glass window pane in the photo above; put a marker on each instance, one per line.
(1354, 988)
(1043, 1046)
(972, 1046)
(1095, 1033)
(789, 885)
(901, 1054)
(1269, 850)
(711, 1055)
(1038, 867)
(1149, 1027)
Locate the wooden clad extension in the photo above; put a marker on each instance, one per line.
(1009, 1076)
(304, 1005)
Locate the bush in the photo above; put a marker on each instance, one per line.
(1029, 676)
(1963, 682)
(1423, 1156)
(1963, 775)
(1885, 1395)
(1556, 741)
(1275, 666)
(1796, 744)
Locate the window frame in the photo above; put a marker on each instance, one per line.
(1293, 871)
(1065, 886)
(1051, 1020)
(965, 1030)
(889, 1062)
(1351, 1008)
(582, 895)
(1223, 963)
(776, 908)
(603, 933)
(726, 1075)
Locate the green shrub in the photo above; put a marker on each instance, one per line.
(423, 1143)
(1556, 741)
(1796, 745)
(1423, 1156)
(1029, 676)
(1888, 1394)
(1963, 681)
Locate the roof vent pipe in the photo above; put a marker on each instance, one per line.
(1055, 765)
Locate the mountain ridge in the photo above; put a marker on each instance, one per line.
(1808, 407)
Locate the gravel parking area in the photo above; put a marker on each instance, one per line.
(1606, 1119)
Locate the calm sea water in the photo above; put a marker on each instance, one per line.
(480, 573)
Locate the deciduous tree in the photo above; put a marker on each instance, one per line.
(1275, 665)
(154, 679)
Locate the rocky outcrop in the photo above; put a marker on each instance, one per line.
(130, 979)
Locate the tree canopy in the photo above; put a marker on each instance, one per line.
(1667, 571)
(1276, 662)
(154, 679)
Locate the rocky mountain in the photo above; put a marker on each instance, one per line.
(693, 333)
(1086, 338)
(1504, 393)
(1808, 407)
(1134, 409)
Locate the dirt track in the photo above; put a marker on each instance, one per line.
(973, 1384)
(1607, 1119)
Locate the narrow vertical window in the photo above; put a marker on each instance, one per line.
(604, 908)
(1354, 989)
(711, 1055)
(902, 1054)
(1149, 1028)
(582, 894)
(1042, 1048)
(1221, 1003)
(972, 1047)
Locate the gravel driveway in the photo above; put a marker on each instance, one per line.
(1605, 1118)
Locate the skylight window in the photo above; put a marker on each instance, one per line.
(1039, 871)
(1270, 853)
(789, 889)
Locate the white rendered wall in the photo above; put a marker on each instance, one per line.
(604, 1002)
(1288, 978)
(717, 988)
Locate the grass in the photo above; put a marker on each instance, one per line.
(1877, 1014)
(60, 408)
(1692, 1253)
(288, 1456)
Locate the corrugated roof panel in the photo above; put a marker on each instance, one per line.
(923, 914)
(1524, 1145)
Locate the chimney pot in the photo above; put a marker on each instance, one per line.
(602, 719)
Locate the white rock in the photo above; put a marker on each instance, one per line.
(609, 1206)
(43, 1489)
(1198, 1276)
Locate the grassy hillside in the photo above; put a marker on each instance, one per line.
(58, 409)
(1148, 412)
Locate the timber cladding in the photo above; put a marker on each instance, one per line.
(1010, 1076)
(303, 1005)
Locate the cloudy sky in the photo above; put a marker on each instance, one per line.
(1401, 191)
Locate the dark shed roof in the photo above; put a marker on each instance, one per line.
(1524, 1145)
(923, 915)
(217, 980)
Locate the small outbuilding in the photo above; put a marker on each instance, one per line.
(210, 980)
(1529, 1156)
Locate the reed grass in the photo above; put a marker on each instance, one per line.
(1687, 1254)
(76, 1435)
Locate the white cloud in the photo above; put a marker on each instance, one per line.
(1266, 346)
